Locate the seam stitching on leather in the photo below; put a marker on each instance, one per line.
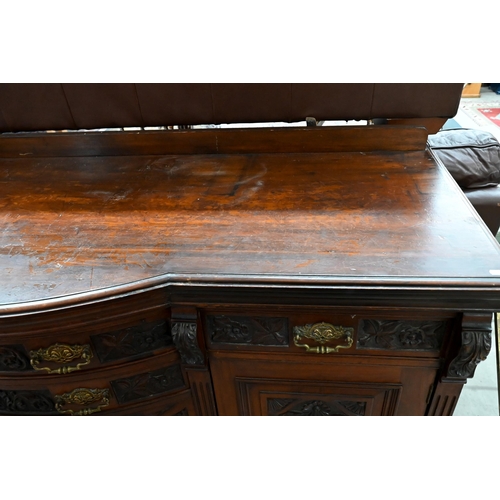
(213, 105)
(139, 105)
(371, 103)
(69, 107)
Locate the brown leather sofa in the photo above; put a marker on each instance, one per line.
(473, 159)
(34, 107)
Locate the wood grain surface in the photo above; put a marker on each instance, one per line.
(74, 224)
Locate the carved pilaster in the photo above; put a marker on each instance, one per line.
(185, 336)
(445, 398)
(475, 346)
(202, 391)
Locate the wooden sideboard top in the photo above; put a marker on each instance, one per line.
(76, 224)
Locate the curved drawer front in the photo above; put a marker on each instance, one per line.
(133, 341)
(96, 391)
(88, 346)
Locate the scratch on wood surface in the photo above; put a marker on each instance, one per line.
(91, 276)
(307, 263)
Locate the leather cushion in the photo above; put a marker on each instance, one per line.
(486, 201)
(471, 156)
(54, 106)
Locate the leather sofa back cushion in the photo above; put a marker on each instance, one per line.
(58, 106)
(471, 156)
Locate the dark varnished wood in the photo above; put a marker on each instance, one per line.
(433, 125)
(77, 225)
(214, 141)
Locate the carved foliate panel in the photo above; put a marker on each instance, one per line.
(26, 403)
(184, 336)
(148, 384)
(14, 358)
(401, 335)
(315, 407)
(133, 341)
(275, 406)
(248, 330)
(182, 413)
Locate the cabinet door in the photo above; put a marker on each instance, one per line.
(300, 385)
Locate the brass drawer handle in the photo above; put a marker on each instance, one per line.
(61, 353)
(323, 333)
(82, 397)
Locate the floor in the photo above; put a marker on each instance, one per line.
(480, 394)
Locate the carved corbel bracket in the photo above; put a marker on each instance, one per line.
(184, 335)
(476, 344)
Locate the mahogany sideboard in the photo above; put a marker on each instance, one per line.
(268, 271)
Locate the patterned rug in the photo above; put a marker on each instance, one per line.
(493, 114)
(482, 113)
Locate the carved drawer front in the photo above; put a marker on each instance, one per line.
(358, 333)
(284, 330)
(309, 398)
(88, 347)
(132, 342)
(14, 358)
(233, 330)
(323, 338)
(323, 331)
(97, 391)
(402, 336)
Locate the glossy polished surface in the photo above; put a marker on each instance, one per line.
(76, 224)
